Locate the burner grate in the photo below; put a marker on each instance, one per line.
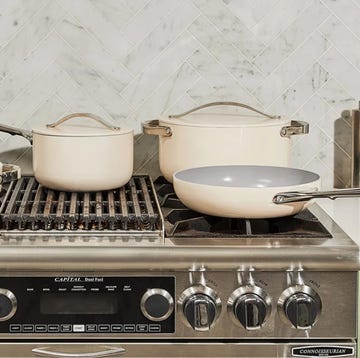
(28, 205)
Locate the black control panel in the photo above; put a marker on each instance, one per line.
(87, 305)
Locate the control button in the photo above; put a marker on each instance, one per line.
(104, 328)
(91, 328)
(8, 304)
(40, 328)
(117, 328)
(66, 328)
(142, 328)
(154, 328)
(78, 328)
(15, 328)
(300, 305)
(128, 328)
(156, 304)
(27, 328)
(53, 328)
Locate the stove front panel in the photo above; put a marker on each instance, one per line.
(191, 305)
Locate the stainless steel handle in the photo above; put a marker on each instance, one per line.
(213, 104)
(153, 128)
(107, 352)
(17, 131)
(86, 115)
(296, 196)
(295, 128)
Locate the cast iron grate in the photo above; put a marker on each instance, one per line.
(28, 205)
(183, 222)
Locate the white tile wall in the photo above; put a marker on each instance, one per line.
(132, 60)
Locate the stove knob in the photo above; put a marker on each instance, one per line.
(157, 304)
(8, 304)
(301, 305)
(250, 306)
(201, 307)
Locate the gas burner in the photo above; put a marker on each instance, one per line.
(183, 222)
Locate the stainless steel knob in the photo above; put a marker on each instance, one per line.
(157, 304)
(300, 305)
(249, 306)
(8, 304)
(200, 307)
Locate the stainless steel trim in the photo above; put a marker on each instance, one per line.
(13, 300)
(85, 115)
(154, 128)
(296, 196)
(292, 291)
(109, 351)
(199, 289)
(157, 291)
(223, 103)
(17, 131)
(295, 128)
(243, 290)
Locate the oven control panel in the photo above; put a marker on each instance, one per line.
(87, 305)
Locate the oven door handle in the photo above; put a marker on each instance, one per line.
(109, 351)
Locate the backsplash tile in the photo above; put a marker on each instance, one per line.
(135, 60)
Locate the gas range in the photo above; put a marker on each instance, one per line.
(132, 267)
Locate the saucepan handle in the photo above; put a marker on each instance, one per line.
(296, 196)
(213, 104)
(154, 128)
(17, 131)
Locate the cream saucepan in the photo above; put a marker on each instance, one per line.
(90, 156)
(241, 191)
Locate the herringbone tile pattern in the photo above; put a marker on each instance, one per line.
(133, 60)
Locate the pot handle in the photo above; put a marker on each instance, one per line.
(213, 104)
(295, 128)
(296, 196)
(9, 173)
(153, 128)
(87, 115)
(17, 131)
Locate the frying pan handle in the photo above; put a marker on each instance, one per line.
(86, 115)
(213, 104)
(17, 131)
(296, 196)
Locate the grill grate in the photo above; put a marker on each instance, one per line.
(27, 205)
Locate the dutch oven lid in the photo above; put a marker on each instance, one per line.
(192, 119)
(92, 126)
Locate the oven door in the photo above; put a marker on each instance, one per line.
(179, 349)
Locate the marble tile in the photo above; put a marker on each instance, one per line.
(170, 60)
(342, 70)
(327, 122)
(160, 38)
(92, 83)
(29, 36)
(244, 11)
(283, 45)
(298, 93)
(136, 5)
(98, 24)
(148, 18)
(326, 174)
(269, 27)
(231, 27)
(292, 68)
(15, 14)
(93, 54)
(226, 53)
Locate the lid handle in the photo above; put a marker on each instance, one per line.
(213, 104)
(86, 115)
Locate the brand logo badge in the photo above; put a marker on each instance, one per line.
(78, 279)
(322, 351)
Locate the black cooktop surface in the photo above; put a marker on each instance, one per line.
(182, 222)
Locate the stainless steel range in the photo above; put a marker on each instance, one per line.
(116, 274)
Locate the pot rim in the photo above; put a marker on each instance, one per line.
(52, 132)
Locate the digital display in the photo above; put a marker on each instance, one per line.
(78, 303)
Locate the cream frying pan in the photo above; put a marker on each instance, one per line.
(241, 191)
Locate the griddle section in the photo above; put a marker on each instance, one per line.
(27, 206)
(182, 222)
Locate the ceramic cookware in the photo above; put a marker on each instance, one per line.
(89, 156)
(242, 191)
(195, 139)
